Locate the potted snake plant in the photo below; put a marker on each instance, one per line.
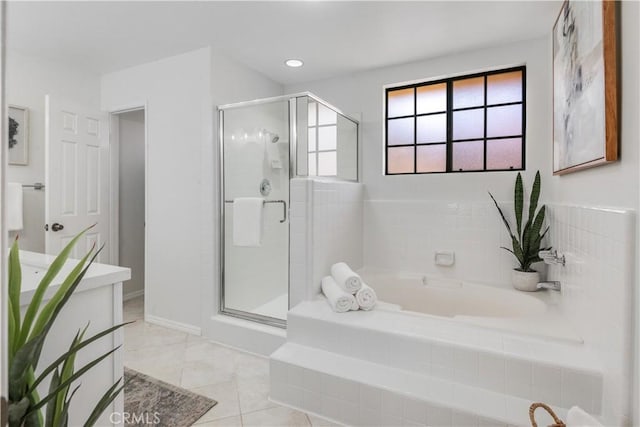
(26, 339)
(525, 241)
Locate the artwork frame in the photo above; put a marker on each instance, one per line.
(585, 86)
(18, 125)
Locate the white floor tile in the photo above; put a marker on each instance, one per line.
(223, 422)
(253, 393)
(226, 394)
(238, 381)
(275, 417)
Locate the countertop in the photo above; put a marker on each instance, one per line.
(34, 266)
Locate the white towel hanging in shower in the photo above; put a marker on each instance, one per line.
(247, 221)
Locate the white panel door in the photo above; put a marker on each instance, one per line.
(77, 177)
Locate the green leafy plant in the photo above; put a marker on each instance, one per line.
(26, 340)
(525, 241)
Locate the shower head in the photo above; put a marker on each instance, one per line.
(273, 137)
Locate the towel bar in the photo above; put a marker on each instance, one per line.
(284, 207)
(36, 186)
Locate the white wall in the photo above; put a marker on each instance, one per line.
(180, 93)
(29, 79)
(407, 218)
(131, 199)
(363, 93)
(177, 94)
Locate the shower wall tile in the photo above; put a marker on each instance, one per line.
(300, 239)
(597, 294)
(326, 227)
(336, 227)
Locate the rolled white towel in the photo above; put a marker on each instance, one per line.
(346, 278)
(576, 417)
(339, 300)
(366, 297)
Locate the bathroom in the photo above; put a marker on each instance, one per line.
(190, 307)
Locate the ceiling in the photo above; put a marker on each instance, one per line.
(332, 38)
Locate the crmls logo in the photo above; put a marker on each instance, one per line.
(145, 418)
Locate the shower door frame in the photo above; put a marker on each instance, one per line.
(293, 173)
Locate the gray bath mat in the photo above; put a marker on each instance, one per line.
(148, 401)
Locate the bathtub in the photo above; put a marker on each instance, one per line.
(536, 313)
(464, 352)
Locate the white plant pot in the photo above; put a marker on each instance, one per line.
(525, 280)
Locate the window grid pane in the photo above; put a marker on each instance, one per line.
(504, 88)
(432, 128)
(322, 136)
(432, 158)
(400, 103)
(468, 155)
(468, 92)
(400, 160)
(466, 123)
(400, 131)
(431, 98)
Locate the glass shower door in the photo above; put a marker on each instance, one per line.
(255, 159)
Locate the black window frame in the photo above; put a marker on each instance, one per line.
(449, 117)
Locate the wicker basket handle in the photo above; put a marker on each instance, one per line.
(534, 406)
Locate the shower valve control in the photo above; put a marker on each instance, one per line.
(265, 187)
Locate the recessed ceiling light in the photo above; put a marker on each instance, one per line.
(294, 63)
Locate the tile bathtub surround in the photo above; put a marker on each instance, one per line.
(403, 235)
(484, 359)
(402, 400)
(599, 244)
(597, 282)
(326, 227)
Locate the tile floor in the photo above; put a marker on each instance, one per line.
(238, 381)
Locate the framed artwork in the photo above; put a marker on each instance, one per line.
(585, 92)
(18, 135)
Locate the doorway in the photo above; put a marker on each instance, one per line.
(128, 132)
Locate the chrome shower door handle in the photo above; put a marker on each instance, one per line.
(284, 208)
(284, 212)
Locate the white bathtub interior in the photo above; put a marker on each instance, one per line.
(480, 305)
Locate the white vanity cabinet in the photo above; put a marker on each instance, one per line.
(97, 301)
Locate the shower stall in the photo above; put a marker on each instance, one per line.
(263, 145)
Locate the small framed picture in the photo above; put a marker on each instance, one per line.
(18, 135)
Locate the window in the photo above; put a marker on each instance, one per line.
(462, 124)
(323, 140)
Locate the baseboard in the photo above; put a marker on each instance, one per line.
(172, 324)
(132, 295)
